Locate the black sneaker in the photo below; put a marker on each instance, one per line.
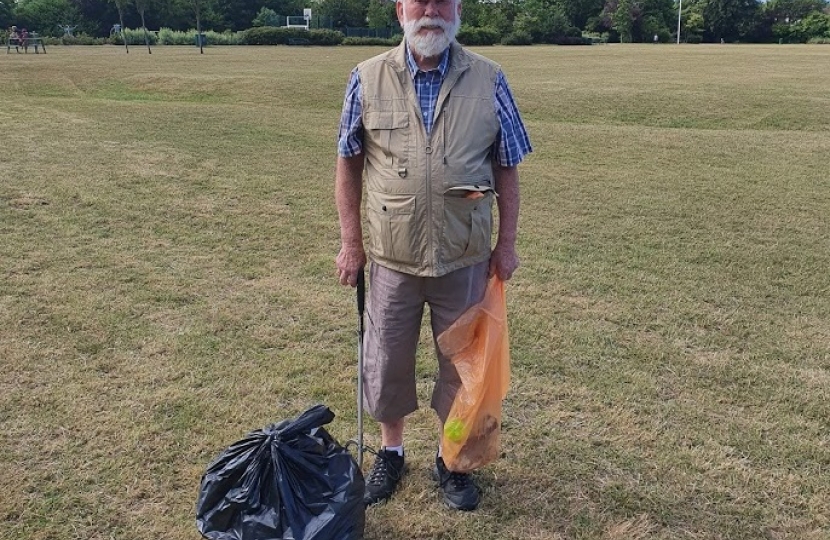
(460, 492)
(384, 477)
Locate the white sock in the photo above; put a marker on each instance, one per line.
(397, 449)
(439, 451)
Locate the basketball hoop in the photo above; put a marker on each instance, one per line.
(297, 21)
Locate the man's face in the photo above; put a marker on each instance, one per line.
(429, 25)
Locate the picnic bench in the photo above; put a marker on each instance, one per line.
(30, 41)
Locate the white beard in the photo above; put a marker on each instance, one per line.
(432, 44)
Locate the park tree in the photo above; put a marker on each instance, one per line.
(237, 15)
(96, 16)
(344, 12)
(658, 17)
(579, 12)
(141, 6)
(6, 13)
(692, 24)
(729, 20)
(780, 19)
(623, 15)
(505, 13)
(198, 8)
(813, 25)
(122, 7)
(381, 14)
(473, 14)
(637, 21)
(273, 13)
(194, 12)
(488, 14)
(284, 8)
(175, 14)
(45, 17)
(266, 17)
(545, 21)
(792, 10)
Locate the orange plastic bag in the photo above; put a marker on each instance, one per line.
(478, 346)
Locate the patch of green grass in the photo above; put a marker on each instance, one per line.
(168, 285)
(154, 90)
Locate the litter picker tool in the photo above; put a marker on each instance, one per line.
(361, 306)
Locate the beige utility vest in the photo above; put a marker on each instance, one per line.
(421, 216)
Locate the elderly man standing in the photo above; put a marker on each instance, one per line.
(438, 135)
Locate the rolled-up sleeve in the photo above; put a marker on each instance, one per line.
(350, 134)
(513, 143)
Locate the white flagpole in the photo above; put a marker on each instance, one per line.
(679, 11)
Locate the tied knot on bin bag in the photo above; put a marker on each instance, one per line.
(477, 345)
(289, 481)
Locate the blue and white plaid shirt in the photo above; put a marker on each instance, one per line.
(512, 145)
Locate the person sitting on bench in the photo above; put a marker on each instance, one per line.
(14, 38)
(24, 39)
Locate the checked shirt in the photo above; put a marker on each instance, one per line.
(512, 145)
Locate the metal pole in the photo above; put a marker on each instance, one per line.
(679, 11)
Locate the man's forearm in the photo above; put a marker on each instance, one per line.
(347, 195)
(507, 186)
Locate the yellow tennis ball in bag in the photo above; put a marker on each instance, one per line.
(454, 430)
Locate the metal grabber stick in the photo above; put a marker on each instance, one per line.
(361, 305)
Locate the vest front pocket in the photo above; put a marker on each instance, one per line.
(390, 132)
(393, 234)
(468, 223)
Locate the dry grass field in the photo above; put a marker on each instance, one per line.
(167, 285)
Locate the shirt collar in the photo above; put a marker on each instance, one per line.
(442, 66)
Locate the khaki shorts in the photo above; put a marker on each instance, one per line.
(395, 307)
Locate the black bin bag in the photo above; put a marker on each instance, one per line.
(288, 481)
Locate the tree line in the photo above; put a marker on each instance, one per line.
(511, 21)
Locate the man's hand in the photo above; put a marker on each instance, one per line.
(350, 262)
(503, 262)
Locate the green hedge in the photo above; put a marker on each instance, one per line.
(80, 39)
(325, 37)
(134, 36)
(519, 37)
(272, 35)
(572, 40)
(474, 35)
(391, 42)
(174, 37)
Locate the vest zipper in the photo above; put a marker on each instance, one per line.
(444, 143)
(430, 241)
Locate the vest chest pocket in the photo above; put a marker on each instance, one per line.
(389, 131)
(393, 233)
